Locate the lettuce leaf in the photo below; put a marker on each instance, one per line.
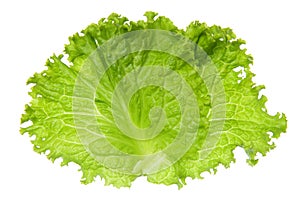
(247, 123)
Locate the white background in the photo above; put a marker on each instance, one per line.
(31, 31)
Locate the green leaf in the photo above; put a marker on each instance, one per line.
(247, 123)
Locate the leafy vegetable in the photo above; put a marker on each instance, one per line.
(247, 123)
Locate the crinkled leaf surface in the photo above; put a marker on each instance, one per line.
(247, 123)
